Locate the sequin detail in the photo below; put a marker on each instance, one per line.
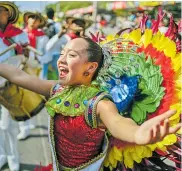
(76, 143)
(66, 103)
(90, 113)
(70, 96)
(85, 102)
(56, 88)
(76, 105)
(58, 101)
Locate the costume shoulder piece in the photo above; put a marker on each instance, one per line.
(74, 100)
(141, 71)
(90, 113)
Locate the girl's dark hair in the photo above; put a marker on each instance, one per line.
(94, 54)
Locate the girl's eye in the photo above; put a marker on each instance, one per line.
(72, 55)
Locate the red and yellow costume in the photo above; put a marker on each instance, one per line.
(136, 79)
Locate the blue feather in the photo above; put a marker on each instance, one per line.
(124, 92)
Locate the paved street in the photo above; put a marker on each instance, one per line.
(35, 149)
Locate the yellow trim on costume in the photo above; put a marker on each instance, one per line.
(135, 153)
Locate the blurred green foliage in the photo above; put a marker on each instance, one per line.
(69, 5)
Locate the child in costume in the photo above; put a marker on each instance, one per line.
(96, 87)
(37, 38)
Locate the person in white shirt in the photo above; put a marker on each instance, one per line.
(74, 28)
(8, 127)
(37, 38)
(52, 27)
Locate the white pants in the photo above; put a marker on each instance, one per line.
(24, 126)
(8, 135)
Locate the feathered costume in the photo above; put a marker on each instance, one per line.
(141, 73)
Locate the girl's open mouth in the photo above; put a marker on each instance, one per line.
(63, 72)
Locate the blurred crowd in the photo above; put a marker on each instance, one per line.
(47, 37)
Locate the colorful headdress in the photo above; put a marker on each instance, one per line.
(12, 9)
(141, 71)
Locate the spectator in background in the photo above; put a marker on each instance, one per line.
(180, 26)
(103, 22)
(9, 14)
(164, 25)
(52, 27)
(149, 22)
(37, 38)
(129, 22)
(132, 17)
(139, 16)
(74, 28)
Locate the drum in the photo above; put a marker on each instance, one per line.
(21, 103)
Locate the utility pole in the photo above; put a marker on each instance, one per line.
(94, 14)
(58, 8)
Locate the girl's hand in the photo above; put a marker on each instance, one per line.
(155, 129)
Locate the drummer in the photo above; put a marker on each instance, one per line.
(34, 22)
(8, 129)
(73, 28)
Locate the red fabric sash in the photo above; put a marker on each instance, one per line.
(72, 35)
(32, 34)
(10, 32)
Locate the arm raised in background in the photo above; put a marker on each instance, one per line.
(24, 80)
(51, 43)
(58, 40)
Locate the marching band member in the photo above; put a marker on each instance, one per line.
(8, 128)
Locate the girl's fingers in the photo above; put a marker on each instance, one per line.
(175, 128)
(151, 133)
(150, 136)
(165, 115)
(159, 119)
(165, 128)
(156, 133)
(159, 132)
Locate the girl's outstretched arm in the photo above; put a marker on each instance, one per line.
(126, 129)
(22, 79)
